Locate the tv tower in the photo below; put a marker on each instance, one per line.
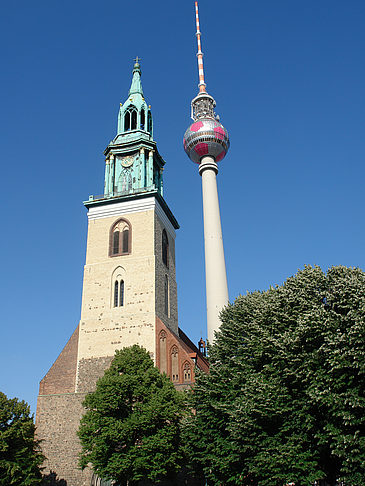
(206, 142)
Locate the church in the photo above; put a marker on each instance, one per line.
(129, 289)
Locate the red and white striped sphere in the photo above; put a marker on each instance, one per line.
(206, 137)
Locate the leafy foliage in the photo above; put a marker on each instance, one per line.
(284, 400)
(20, 458)
(131, 429)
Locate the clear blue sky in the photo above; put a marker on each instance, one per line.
(288, 78)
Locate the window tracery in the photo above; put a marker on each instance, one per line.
(120, 238)
(187, 372)
(130, 119)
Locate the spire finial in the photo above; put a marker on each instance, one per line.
(136, 86)
(199, 55)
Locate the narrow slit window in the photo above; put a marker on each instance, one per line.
(121, 293)
(165, 248)
(149, 122)
(166, 296)
(116, 291)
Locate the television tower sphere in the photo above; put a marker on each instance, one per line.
(206, 137)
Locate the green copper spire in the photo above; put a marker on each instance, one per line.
(133, 164)
(136, 86)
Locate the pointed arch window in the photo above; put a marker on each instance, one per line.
(165, 248)
(187, 372)
(163, 352)
(125, 181)
(127, 121)
(143, 121)
(174, 363)
(120, 238)
(121, 293)
(118, 288)
(130, 119)
(116, 293)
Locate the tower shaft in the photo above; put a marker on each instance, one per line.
(215, 266)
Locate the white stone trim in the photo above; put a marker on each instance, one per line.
(134, 206)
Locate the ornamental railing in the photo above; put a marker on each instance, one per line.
(121, 193)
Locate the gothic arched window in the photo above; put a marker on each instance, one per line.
(187, 372)
(127, 121)
(163, 357)
(165, 248)
(130, 119)
(124, 181)
(120, 238)
(121, 293)
(143, 121)
(174, 363)
(116, 293)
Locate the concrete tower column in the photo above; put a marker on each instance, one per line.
(215, 266)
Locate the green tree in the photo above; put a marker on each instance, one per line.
(20, 458)
(284, 400)
(131, 429)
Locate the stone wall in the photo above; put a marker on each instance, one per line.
(58, 418)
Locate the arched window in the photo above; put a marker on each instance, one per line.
(163, 353)
(120, 238)
(143, 121)
(125, 181)
(127, 121)
(165, 248)
(121, 293)
(187, 372)
(174, 363)
(166, 294)
(118, 279)
(130, 119)
(116, 293)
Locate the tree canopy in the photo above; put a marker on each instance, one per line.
(20, 458)
(284, 400)
(131, 429)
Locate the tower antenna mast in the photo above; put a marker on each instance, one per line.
(206, 142)
(199, 54)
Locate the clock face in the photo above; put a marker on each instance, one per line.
(126, 161)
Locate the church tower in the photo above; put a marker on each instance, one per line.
(129, 288)
(129, 277)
